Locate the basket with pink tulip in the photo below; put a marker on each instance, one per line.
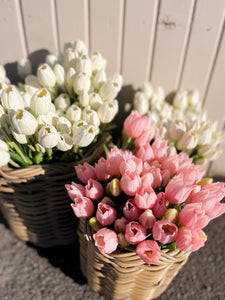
(141, 214)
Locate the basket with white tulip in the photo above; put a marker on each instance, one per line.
(182, 121)
(57, 118)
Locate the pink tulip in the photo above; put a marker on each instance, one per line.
(106, 240)
(130, 211)
(74, 190)
(218, 210)
(177, 191)
(164, 231)
(131, 166)
(171, 164)
(193, 216)
(192, 174)
(149, 252)
(130, 183)
(157, 177)
(120, 224)
(145, 198)
(165, 177)
(159, 148)
(145, 153)
(189, 240)
(101, 170)
(105, 214)
(134, 124)
(83, 207)
(147, 135)
(147, 219)
(114, 159)
(159, 208)
(94, 190)
(147, 180)
(184, 160)
(135, 233)
(85, 172)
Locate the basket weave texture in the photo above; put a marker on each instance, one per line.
(34, 201)
(122, 275)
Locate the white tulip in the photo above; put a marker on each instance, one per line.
(178, 114)
(24, 67)
(97, 61)
(210, 152)
(193, 98)
(73, 113)
(77, 125)
(70, 57)
(141, 103)
(2, 87)
(95, 101)
(2, 111)
(26, 98)
(205, 134)
(49, 119)
(70, 76)
(53, 108)
(62, 102)
(23, 122)
(63, 125)
(48, 136)
(109, 90)
(161, 133)
(189, 140)
(99, 79)
(2, 73)
(3, 146)
(80, 47)
(83, 65)
(68, 45)
(41, 102)
(171, 150)
(82, 82)
(165, 111)
(180, 100)
(60, 113)
(4, 156)
(108, 110)
(117, 78)
(51, 60)
(59, 74)
(20, 138)
(84, 99)
(90, 116)
(176, 129)
(148, 90)
(158, 95)
(153, 116)
(65, 142)
(85, 135)
(32, 84)
(46, 75)
(11, 98)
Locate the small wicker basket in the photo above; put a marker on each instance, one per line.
(122, 274)
(34, 201)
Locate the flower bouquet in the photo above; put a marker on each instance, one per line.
(141, 214)
(54, 119)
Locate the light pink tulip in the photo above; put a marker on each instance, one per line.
(106, 240)
(94, 190)
(145, 153)
(189, 240)
(135, 233)
(83, 207)
(157, 177)
(177, 191)
(147, 180)
(120, 224)
(165, 177)
(147, 135)
(133, 165)
(101, 170)
(85, 172)
(218, 210)
(74, 190)
(147, 219)
(192, 174)
(149, 252)
(114, 159)
(171, 164)
(159, 148)
(164, 231)
(105, 214)
(134, 124)
(193, 216)
(131, 211)
(145, 198)
(159, 208)
(184, 160)
(130, 183)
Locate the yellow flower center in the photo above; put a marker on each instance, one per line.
(42, 93)
(9, 89)
(48, 129)
(43, 67)
(19, 115)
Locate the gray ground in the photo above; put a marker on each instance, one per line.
(28, 272)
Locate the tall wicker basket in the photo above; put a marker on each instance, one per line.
(122, 274)
(34, 201)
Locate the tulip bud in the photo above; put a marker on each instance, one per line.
(65, 142)
(80, 47)
(63, 125)
(113, 188)
(20, 138)
(82, 82)
(105, 214)
(83, 65)
(84, 135)
(51, 60)
(90, 116)
(122, 240)
(49, 119)
(180, 100)
(158, 95)
(147, 90)
(11, 98)
(93, 222)
(176, 129)
(210, 152)
(77, 125)
(4, 155)
(95, 101)
(84, 99)
(48, 136)
(193, 98)
(2, 73)
(189, 140)
(141, 103)
(147, 219)
(46, 75)
(120, 224)
(24, 67)
(70, 76)
(99, 79)
(108, 110)
(97, 61)
(41, 102)
(32, 84)
(109, 90)
(171, 215)
(2, 87)
(2, 111)
(62, 102)
(73, 113)
(205, 134)
(59, 74)
(70, 56)
(23, 122)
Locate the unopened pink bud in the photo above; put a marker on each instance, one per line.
(122, 240)
(147, 219)
(135, 233)
(130, 211)
(94, 190)
(171, 215)
(120, 224)
(159, 208)
(83, 207)
(149, 252)
(105, 214)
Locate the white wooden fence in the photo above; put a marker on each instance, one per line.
(175, 43)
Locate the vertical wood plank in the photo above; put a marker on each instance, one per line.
(73, 21)
(139, 33)
(40, 28)
(106, 20)
(205, 34)
(172, 35)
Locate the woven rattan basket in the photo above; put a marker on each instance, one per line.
(34, 201)
(122, 274)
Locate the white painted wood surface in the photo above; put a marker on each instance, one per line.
(175, 43)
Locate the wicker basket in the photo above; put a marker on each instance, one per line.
(34, 201)
(122, 274)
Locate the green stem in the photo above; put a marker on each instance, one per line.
(24, 157)
(32, 148)
(126, 142)
(13, 163)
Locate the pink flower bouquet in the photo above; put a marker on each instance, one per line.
(145, 199)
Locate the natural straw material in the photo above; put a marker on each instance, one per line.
(122, 274)
(35, 203)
